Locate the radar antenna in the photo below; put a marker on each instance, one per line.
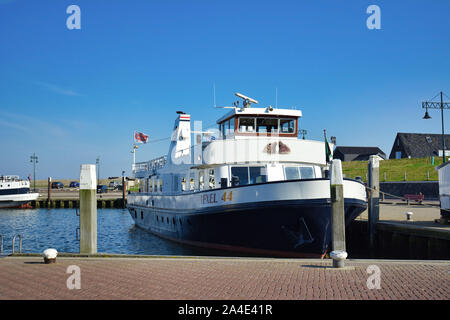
(247, 101)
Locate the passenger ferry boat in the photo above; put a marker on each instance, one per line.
(257, 189)
(14, 192)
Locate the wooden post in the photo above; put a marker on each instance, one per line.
(337, 214)
(49, 189)
(374, 198)
(88, 209)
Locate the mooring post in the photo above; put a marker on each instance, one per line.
(337, 214)
(374, 198)
(49, 189)
(88, 209)
(124, 188)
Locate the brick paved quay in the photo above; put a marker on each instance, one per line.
(220, 278)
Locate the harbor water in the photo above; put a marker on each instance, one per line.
(56, 228)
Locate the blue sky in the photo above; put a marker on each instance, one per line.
(74, 95)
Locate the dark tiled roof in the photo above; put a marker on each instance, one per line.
(360, 150)
(420, 145)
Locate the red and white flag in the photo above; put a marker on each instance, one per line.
(140, 137)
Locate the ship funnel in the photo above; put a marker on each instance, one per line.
(180, 145)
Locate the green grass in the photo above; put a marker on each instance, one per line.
(416, 169)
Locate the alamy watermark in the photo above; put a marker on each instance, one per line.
(374, 280)
(374, 20)
(74, 280)
(74, 20)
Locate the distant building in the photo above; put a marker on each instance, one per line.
(357, 153)
(419, 145)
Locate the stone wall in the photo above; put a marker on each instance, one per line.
(430, 189)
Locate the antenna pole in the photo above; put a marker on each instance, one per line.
(214, 90)
(276, 98)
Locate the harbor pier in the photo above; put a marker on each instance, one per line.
(129, 277)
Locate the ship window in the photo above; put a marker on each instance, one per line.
(247, 124)
(160, 184)
(157, 218)
(307, 173)
(267, 125)
(258, 175)
(173, 221)
(175, 183)
(201, 179)
(211, 179)
(135, 214)
(192, 184)
(150, 185)
(239, 176)
(287, 125)
(167, 219)
(181, 223)
(291, 173)
(183, 184)
(227, 128)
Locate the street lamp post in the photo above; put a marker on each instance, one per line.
(97, 162)
(437, 105)
(34, 160)
(303, 132)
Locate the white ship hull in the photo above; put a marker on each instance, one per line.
(17, 200)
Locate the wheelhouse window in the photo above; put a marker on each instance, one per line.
(267, 125)
(287, 125)
(246, 124)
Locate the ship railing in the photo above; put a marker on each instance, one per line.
(150, 165)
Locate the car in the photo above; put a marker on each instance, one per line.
(101, 188)
(57, 185)
(74, 184)
(114, 185)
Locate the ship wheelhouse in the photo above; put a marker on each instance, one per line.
(260, 123)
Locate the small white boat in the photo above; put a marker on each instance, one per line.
(15, 192)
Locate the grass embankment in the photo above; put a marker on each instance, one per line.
(416, 169)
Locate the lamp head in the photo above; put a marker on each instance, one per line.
(426, 116)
